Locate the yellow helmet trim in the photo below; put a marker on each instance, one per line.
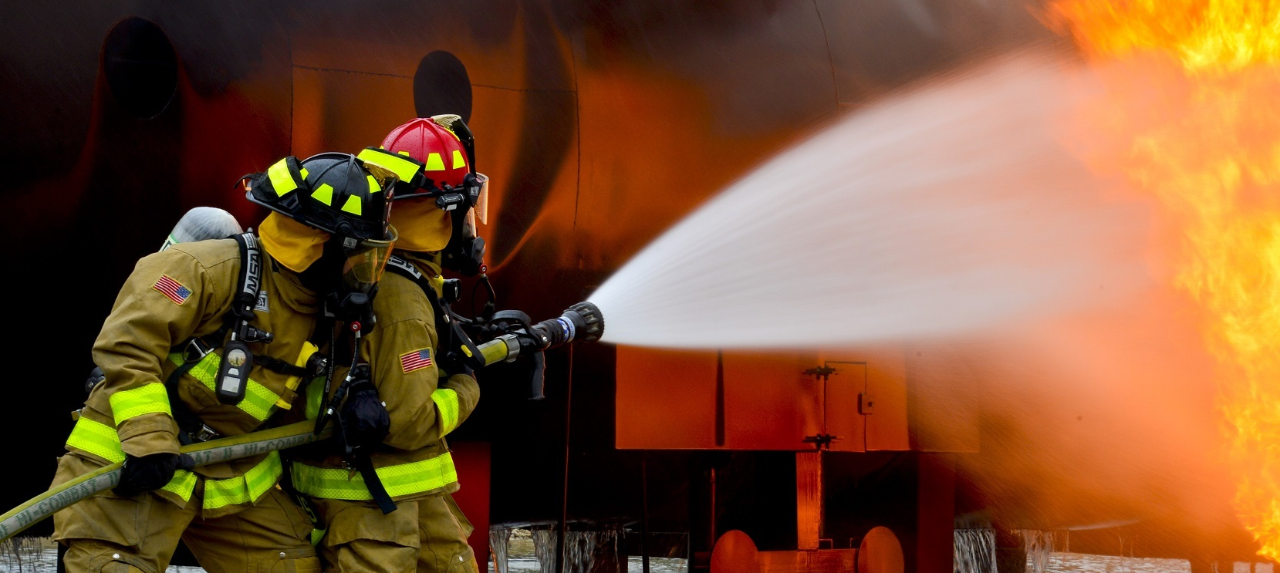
(304, 172)
(458, 161)
(373, 184)
(403, 168)
(323, 194)
(435, 163)
(281, 180)
(352, 205)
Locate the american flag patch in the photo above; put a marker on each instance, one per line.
(172, 289)
(415, 360)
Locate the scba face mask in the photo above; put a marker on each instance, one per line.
(365, 262)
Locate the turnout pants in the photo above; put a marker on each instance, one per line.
(426, 534)
(112, 534)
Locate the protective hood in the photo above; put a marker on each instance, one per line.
(423, 227)
(292, 244)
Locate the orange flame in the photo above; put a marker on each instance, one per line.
(1224, 35)
(1198, 111)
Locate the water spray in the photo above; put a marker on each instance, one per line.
(952, 207)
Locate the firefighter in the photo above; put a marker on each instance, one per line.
(209, 339)
(409, 520)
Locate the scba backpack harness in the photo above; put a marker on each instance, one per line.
(237, 360)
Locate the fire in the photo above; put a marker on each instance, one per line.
(1223, 35)
(1197, 109)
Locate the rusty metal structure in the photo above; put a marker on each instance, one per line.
(600, 124)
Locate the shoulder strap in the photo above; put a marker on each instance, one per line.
(250, 276)
(404, 268)
(451, 340)
(444, 326)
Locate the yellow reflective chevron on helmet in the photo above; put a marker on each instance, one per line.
(281, 180)
(434, 162)
(373, 184)
(458, 161)
(323, 194)
(352, 205)
(404, 168)
(304, 172)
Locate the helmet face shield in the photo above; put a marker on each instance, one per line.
(387, 180)
(365, 261)
(482, 201)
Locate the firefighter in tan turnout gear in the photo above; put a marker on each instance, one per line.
(210, 339)
(406, 520)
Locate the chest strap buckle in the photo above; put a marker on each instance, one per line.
(206, 433)
(195, 350)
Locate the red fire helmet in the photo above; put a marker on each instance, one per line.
(434, 145)
(422, 226)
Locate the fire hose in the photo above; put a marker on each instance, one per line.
(107, 477)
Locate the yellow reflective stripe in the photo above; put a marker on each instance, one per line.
(458, 161)
(434, 163)
(447, 406)
(281, 180)
(403, 168)
(352, 205)
(259, 401)
(401, 479)
(148, 398)
(96, 438)
(246, 488)
(315, 398)
(182, 484)
(101, 440)
(304, 172)
(373, 184)
(323, 194)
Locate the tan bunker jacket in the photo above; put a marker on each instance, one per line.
(173, 296)
(414, 460)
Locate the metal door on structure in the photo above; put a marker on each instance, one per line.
(852, 401)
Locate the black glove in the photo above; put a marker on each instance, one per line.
(363, 418)
(150, 472)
